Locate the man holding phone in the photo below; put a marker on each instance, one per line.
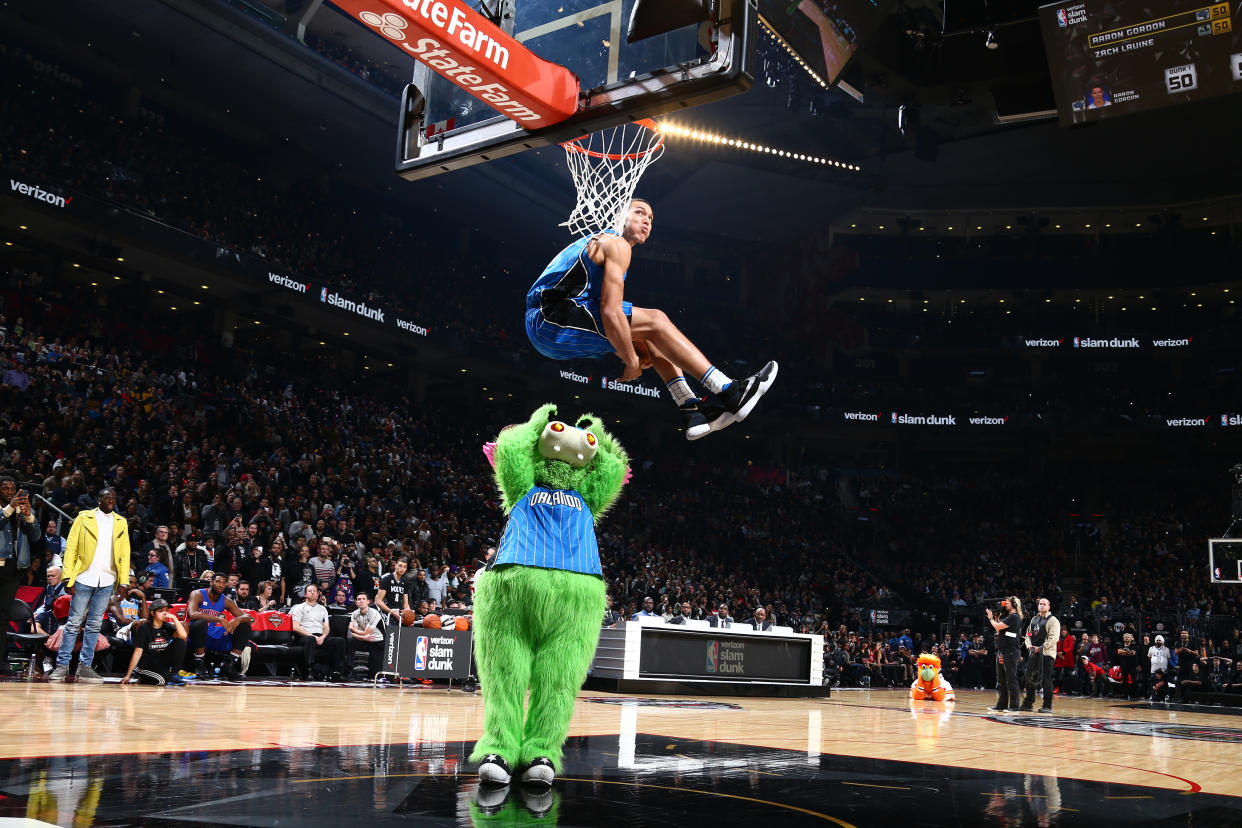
(18, 532)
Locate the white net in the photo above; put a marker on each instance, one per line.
(606, 167)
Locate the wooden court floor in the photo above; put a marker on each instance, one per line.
(271, 754)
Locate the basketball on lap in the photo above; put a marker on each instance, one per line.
(431, 621)
(408, 617)
(462, 623)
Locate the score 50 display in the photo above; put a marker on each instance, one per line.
(1114, 58)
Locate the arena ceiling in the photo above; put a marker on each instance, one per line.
(296, 115)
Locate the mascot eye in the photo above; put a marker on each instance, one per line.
(558, 427)
(590, 439)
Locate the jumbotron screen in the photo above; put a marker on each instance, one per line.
(824, 33)
(1115, 57)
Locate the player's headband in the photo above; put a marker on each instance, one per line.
(573, 445)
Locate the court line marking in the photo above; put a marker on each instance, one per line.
(586, 781)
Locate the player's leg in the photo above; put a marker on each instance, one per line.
(653, 325)
(697, 415)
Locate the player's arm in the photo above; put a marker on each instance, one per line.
(240, 616)
(192, 613)
(616, 327)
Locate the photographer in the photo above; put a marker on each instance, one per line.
(18, 533)
(1008, 649)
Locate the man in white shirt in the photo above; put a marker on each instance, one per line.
(310, 626)
(366, 633)
(438, 586)
(96, 563)
(1159, 656)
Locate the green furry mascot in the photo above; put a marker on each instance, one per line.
(539, 604)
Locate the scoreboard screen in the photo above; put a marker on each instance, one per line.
(824, 34)
(1115, 57)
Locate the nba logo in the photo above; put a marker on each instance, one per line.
(894, 416)
(1075, 342)
(323, 295)
(420, 653)
(713, 656)
(1062, 18)
(603, 382)
(1224, 419)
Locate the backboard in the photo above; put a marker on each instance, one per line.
(1225, 560)
(444, 128)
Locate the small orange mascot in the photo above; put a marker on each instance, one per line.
(930, 684)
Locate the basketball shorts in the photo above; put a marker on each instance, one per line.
(570, 329)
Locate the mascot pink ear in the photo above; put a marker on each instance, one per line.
(489, 451)
(628, 474)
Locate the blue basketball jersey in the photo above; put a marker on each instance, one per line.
(563, 319)
(551, 529)
(570, 275)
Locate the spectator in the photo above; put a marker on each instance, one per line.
(243, 597)
(159, 574)
(310, 625)
(438, 583)
(54, 544)
(648, 610)
(18, 533)
(45, 620)
(210, 630)
(761, 622)
(96, 562)
(366, 632)
(611, 616)
(266, 600)
(721, 618)
(325, 567)
(1161, 690)
(159, 648)
(682, 615)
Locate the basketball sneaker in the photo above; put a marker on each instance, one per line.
(61, 673)
(741, 396)
(702, 418)
(539, 773)
(494, 770)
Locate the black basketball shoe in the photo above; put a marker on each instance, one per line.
(702, 418)
(741, 396)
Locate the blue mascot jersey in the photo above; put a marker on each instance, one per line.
(552, 529)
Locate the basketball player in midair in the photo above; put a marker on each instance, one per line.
(577, 309)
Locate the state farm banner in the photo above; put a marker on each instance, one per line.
(463, 46)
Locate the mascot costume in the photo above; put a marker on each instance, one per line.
(930, 684)
(538, 609)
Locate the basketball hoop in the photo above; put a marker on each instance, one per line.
(606, 167)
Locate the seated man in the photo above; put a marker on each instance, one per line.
(209, 630)
(1161, 690)
(310, 629)
(44, 618)
(366, 633)
(721, 617)
(159, 648)
(760, 621)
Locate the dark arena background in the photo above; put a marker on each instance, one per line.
(1008, 337)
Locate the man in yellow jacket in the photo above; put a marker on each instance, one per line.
(96, 563)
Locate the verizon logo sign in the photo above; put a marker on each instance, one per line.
(629, 388)
(924, 419)
(987, 421)
(1088, 342)
(361, 308)
(286, 282)
(1043, 343)
(1172, 343)
(861, 416)
(572, 377)
(39, 194)
(1186, 422)
(411, 327)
